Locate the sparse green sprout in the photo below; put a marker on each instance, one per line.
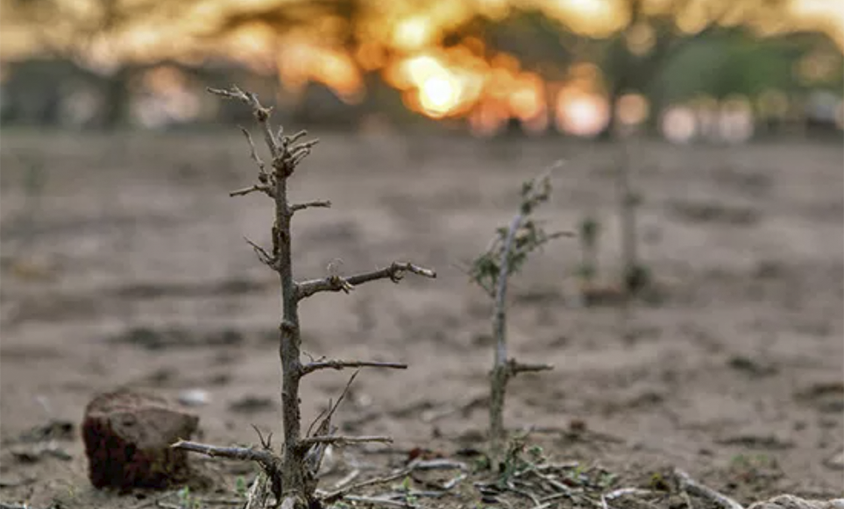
(528, 237)
(537, 453)
(658, 482)
(607, 479)
(505, 256)
(186, 500)
(240, 486)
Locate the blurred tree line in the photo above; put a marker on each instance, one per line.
(722, 57)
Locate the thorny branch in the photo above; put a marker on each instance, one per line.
(261, 113)
(307, 442)
(262, 169)
(264, 257)
(514, 367)
(394, 272)
(265, 458)
(335, 364)
(253, 189)
(293, 474)
(317, 203)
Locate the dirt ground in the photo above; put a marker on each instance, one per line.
(123, 263)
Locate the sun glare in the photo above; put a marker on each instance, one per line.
(581, 114)
(438, 95)
(413, 33)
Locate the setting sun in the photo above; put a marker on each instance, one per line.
(438, 95)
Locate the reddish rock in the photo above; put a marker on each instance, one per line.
(127, 440)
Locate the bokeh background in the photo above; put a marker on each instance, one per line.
(682, 69)
(702, 139)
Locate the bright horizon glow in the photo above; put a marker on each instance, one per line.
(401, 40)
(438, 95)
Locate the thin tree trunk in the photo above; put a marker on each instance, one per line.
(501, 370)
(292, 471)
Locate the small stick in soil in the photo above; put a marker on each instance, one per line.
(695, 488)
(342, 492)
(307, 442)
(265, 458)
(620, 492)
(351, 476)
(259, 493)
(380, 501)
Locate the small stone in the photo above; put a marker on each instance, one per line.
(194, 397)
(836, 461)
(127, 438)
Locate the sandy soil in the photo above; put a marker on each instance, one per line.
(735, 375)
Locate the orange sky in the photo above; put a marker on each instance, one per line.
(437, 81)
(409, 26)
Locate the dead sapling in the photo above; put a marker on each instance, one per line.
(292, 475)
(636, 276)
(506, 255)
(588, 270)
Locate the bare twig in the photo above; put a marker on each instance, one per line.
(394, 272)
(296, 137)
(221, 501)
(335, 364)
(380, 501)
(524, 493)
(265, 458)
(695, 488)
(263, 256)
(335, 495)
(309, 204)
(454, 481)
(254, 153)
(345, 481)
(438, 464)
(342, 440)
(261, 114)
(326, 420)
(253, 189)
(516, 367)
(621, 492)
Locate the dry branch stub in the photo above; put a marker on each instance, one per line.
(293, 473)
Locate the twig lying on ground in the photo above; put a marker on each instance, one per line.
(380, 501)
(695, 488)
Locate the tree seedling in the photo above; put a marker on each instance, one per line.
(507, 255)
(292, 475)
